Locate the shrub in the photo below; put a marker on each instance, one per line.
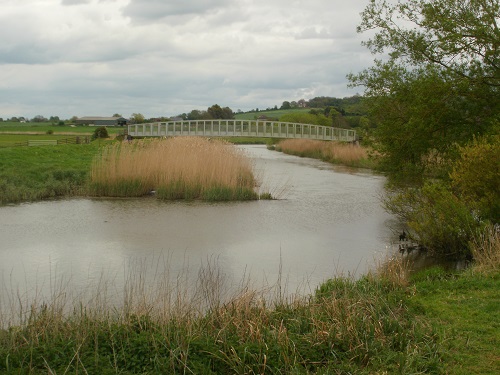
(475, 177)
(439, 220)
(100, 132)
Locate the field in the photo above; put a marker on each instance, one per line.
(273, 114)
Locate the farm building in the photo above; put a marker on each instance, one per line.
(101, 121)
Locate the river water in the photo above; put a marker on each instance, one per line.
(327, 221)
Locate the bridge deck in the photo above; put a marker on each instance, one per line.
(241, 128)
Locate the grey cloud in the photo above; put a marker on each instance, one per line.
(313, 33)
(74, 2)
(157, 9)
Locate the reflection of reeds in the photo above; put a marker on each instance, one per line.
(335, 152)
(176, 168)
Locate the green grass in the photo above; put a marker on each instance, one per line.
(43, 127)
(34, 173)
(464, 309)
(273, 114)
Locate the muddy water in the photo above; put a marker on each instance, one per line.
(327, 221)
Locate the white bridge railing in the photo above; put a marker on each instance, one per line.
(241, 128)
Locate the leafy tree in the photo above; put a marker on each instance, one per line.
(196, 114)
(117, 115)
(39, 118)
(476, 179)
(286, 105)
(137, 118)
(216, 112)
(439, 85)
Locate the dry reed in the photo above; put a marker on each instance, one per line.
(486, 250)
(334, 152)
(176, 324)
(181, 167)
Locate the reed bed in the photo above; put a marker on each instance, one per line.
(486, 250)
(174, 168)
(332, 152)
(172, 324)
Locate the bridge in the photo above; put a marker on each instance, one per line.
(241, 128)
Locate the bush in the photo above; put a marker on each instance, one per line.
(100, 132)
(439, 220)
(475, 177)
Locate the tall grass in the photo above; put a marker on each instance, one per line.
(485, 250)
(332, 152)
(172, 324)
(175, 168)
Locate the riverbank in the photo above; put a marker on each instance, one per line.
(331, 152)
(434, 322)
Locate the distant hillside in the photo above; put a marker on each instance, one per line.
(275, 113)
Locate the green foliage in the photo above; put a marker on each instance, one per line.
(100, 132)
(438, 219)
(271, 113)
(476, 178)
(440, 85)
(307, 118)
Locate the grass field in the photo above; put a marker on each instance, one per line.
(44, 127)
(273, 114)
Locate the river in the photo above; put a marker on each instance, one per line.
(327, 221)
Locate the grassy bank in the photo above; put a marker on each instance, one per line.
(387, 322)
(34, 173)
(331, 152)
(44, 127)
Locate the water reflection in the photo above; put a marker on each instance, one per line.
(329, 220)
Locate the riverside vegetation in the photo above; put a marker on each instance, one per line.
(387, 322)
(181, 168)
(331, 152)
(176, 168)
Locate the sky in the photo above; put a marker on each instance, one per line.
(163, 57)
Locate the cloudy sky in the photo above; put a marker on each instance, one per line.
(165, 57)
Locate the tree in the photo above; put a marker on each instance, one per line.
(39, 118)
(286, 105)
(439, 85)
(117, 115)
(137, 118)
(216, 112)
(100, 132)
(196, 114)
